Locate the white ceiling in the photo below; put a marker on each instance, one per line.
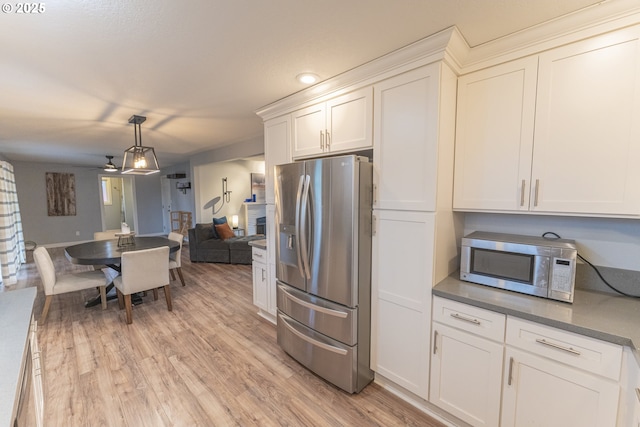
(71, 77)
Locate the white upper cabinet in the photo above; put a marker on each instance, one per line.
(587, 145)
(341, 124)
(571, 149)
(494, 137)
(277, 138)
(406, 140)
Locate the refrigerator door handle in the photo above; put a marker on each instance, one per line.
(297, 226)
(304, 250)
(314, 307)
(313, 342)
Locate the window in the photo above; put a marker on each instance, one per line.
(106, 191)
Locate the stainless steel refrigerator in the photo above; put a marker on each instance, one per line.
(323, 261)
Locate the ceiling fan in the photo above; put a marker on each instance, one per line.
(109, 166)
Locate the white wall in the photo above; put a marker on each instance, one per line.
(608, 242)
(51, 230)
(209, 185)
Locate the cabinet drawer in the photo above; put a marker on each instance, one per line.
(258, 255)
(582, 352)
(478, 321)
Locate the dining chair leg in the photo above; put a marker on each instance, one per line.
(45, 310)
(127, 306)
(180, 274)
(103, 297)
(167, 296)
(173, 276)
(155, 294)
(120, 299)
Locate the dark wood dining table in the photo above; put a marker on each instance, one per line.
(107, 252)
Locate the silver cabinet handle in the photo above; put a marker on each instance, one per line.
(321, 140)
(375, 193)
(327, 139)
(262, 269)
(638, 394)
(466, 319)
(535, 200)
(435, 342)
(522, 193)
(374, 220)
(558, 346)
(510, 380)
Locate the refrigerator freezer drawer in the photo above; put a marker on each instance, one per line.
(331, 319)
(330, 359)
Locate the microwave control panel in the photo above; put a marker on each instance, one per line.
(561, 275)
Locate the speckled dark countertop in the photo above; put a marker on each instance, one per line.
(598, 315)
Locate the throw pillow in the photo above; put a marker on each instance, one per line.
(205, 232)
(224, 231)
(215, 222)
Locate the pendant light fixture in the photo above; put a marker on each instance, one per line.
(139, 160)
(109, 166)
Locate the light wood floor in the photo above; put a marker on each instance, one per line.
(211, 362)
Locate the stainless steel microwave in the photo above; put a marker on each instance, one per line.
(526, 264)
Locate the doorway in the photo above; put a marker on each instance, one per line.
(117, 202)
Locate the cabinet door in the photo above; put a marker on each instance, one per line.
(276, 150)
(401, 297)
(308, 127)
(350, 122)
(587, 149)
(494, 137)
(466, 375)
(405, 140)
(260, 296)
(540, 392)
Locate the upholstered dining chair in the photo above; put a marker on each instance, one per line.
(143, 270)
(175, 262)
(54, 284)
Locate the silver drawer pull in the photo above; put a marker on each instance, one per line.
(317, 308)
(638, 393)
(333, 349)
(466, 319)
(558, 346)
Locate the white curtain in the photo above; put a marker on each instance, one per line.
(12, 253)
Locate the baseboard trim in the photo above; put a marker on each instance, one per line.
(418, 402)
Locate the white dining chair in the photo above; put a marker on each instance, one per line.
(143, 270)
(175, 260)
(54, 284)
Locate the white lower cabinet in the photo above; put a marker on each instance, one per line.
(557, 378)
(401, 298)
(259, 267)
(466, 364)
(547, 377)
(542, 392)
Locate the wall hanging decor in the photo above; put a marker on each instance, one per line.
(61, 194)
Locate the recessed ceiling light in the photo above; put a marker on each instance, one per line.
(307, 78)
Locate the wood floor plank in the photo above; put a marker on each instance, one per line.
(212, 361)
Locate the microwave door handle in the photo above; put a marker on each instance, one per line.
(304, 249)
(297, 225)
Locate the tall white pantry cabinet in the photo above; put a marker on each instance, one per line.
(414, 233)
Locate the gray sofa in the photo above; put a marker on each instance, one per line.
(205, 246)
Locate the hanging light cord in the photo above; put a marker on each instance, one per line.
(556, 236)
